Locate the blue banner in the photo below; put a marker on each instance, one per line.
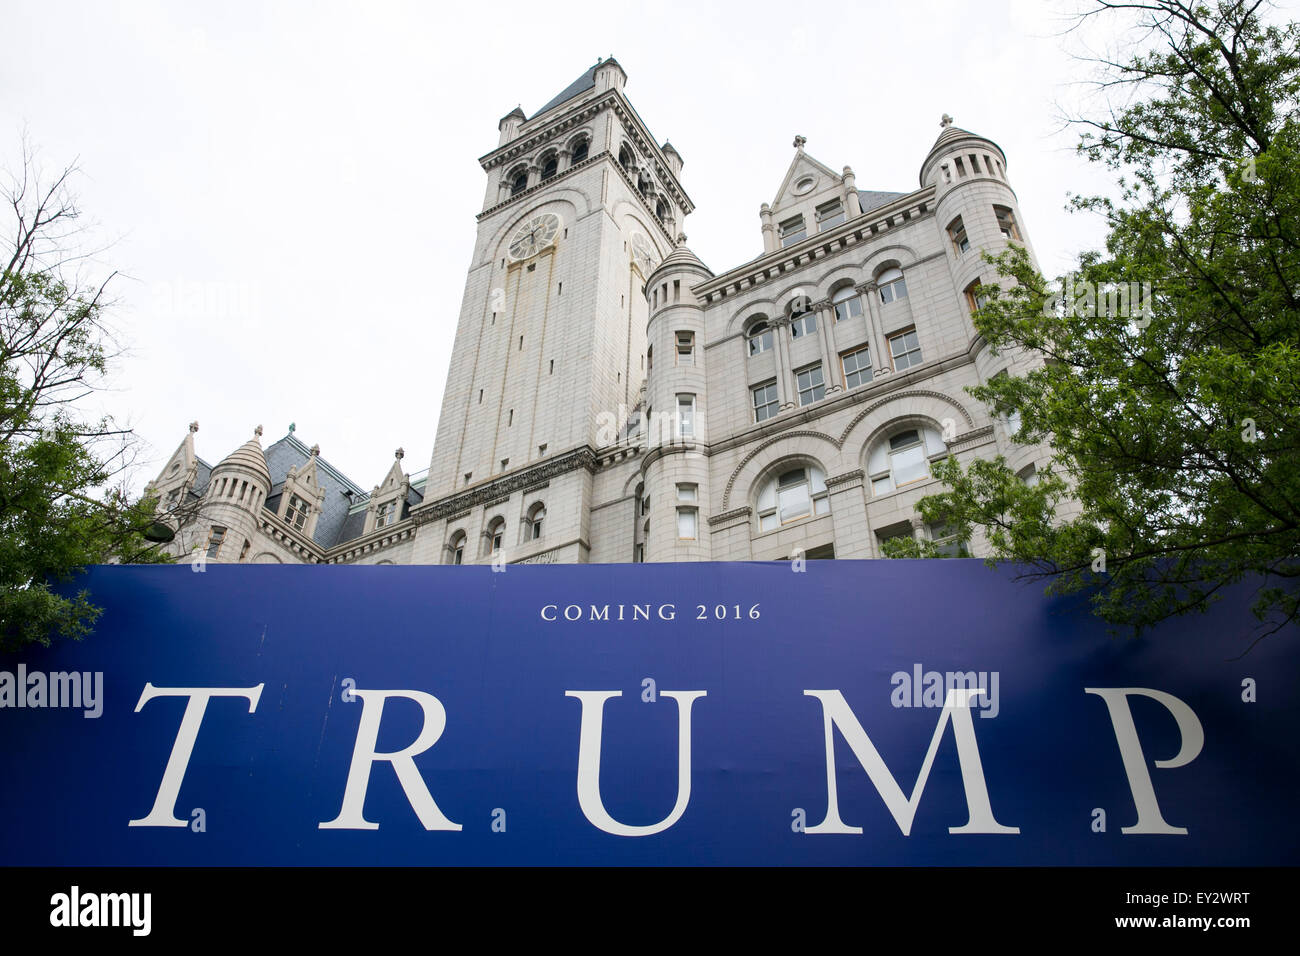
(839, 712)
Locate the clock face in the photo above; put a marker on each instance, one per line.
(643, 253)
(534, 236)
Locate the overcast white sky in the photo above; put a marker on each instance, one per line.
(289, 189)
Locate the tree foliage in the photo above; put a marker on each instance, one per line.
(62, 506)
(1173, 419)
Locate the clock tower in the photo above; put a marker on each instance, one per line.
(549, 361)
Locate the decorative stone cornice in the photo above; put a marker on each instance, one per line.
(849, 479)
(968, 439)
(537, 187)
(518, 147)
(866, 227)
(379, 540)
(730, 516)
(505, 485)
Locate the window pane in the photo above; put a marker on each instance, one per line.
(794, 502)
(767, 522)
(686, 522)
(910, 465)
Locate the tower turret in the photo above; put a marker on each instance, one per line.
(237, 490)
(675, 468)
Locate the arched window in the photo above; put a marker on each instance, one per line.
(624, 157)
(536, 517)
(519, 182)
(892, 286)
(803, 321)
(760, 337)
(792, 495)
(661, 210)
(456, 548)
(549, 166)
(903, 458)
(496, 535)
(847, 303)
(580, 151)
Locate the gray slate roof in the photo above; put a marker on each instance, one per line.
(874, 198)
(288, 452)
(581, 85)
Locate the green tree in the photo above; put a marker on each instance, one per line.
(1173, 419)
(62, 504)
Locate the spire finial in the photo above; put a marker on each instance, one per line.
(945, 120)
(293, 427)
(799, 141)
(258, 431)
(315, 451)
(399, 454)
(194, 426)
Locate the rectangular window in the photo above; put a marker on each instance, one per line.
(792, 231)
(1006, 223)
(905, 350)
(685, 348)
(687, 492)
(296, 513)
(957, 233)
(385, 513)
(975, 300)
(810, 384)
(945, 538)
(857, 367)
(686, 416)
(214, 540)
(765, 401)
(829, 215)
(686, 521)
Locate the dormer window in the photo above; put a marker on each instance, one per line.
(829, 215)
(792, 231)
(385, 514)
(297, 513)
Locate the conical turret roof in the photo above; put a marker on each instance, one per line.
(250, 457)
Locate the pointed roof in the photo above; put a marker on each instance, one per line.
(682, 256)
(249, 455)
(801, 164)
(581, 85)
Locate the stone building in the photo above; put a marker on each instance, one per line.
(612, 399)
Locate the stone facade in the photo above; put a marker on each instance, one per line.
(611, 399)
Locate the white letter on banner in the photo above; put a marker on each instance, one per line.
(837, 713)
(163, 813)
(1135, 765)
(364, 755)
(593, 719)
